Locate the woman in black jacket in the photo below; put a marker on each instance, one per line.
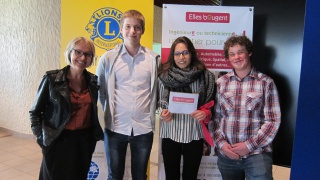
(64, 116)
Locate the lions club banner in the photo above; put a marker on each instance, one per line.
(99, 20)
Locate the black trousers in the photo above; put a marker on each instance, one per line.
(192, 155)
(68, 157)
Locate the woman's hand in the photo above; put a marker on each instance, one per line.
(166, 115)
(199, 115)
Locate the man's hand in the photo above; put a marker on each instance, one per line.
(227, 150)
(240, 148)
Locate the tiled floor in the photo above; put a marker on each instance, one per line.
(20, 159)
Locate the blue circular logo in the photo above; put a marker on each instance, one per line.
(104, 28)
(93, 171)
(108, 29)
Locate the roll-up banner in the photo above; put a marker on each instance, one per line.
(207, 27)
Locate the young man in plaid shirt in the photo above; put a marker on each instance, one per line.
(247, 116)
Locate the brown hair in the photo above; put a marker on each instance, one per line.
(195, 61)
(234, 40)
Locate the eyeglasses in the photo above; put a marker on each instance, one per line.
(80, 53)
(184, 53)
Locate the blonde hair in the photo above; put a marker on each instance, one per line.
(135, 15)
(74, 42)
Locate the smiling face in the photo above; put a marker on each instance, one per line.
(182, 56)
(131, 31)
(80, 56)
(240, 59)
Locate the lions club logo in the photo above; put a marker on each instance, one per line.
(104, 27)
(93, 171)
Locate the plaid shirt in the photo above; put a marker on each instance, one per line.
(246, 110)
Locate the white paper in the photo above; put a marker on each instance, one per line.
(183, 103)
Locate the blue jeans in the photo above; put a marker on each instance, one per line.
(140, 147)
(255, 167)
(106, 149)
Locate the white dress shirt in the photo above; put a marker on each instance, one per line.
(132, 93)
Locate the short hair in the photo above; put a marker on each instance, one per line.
(88, 42)
(195, 61)
(234, 40)
(135, 15)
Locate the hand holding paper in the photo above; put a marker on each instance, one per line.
(198, 115)
(166, 115)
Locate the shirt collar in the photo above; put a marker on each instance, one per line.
(253, 74)
(124, 50)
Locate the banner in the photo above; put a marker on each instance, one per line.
(207, 27)
(99, 20)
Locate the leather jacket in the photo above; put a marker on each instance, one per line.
(51, 110)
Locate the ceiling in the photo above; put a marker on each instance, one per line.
(187, 2)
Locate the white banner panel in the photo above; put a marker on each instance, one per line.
(207, 27)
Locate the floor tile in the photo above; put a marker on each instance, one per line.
(28, 167)
(35, 156)
(16, 162)
(7, 156)
(24, 177)
(9, 174)
(4, 167)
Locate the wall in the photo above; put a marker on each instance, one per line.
(157, 25)
(278, 37)
(30, 45)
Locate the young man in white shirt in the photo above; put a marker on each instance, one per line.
(127, 76)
